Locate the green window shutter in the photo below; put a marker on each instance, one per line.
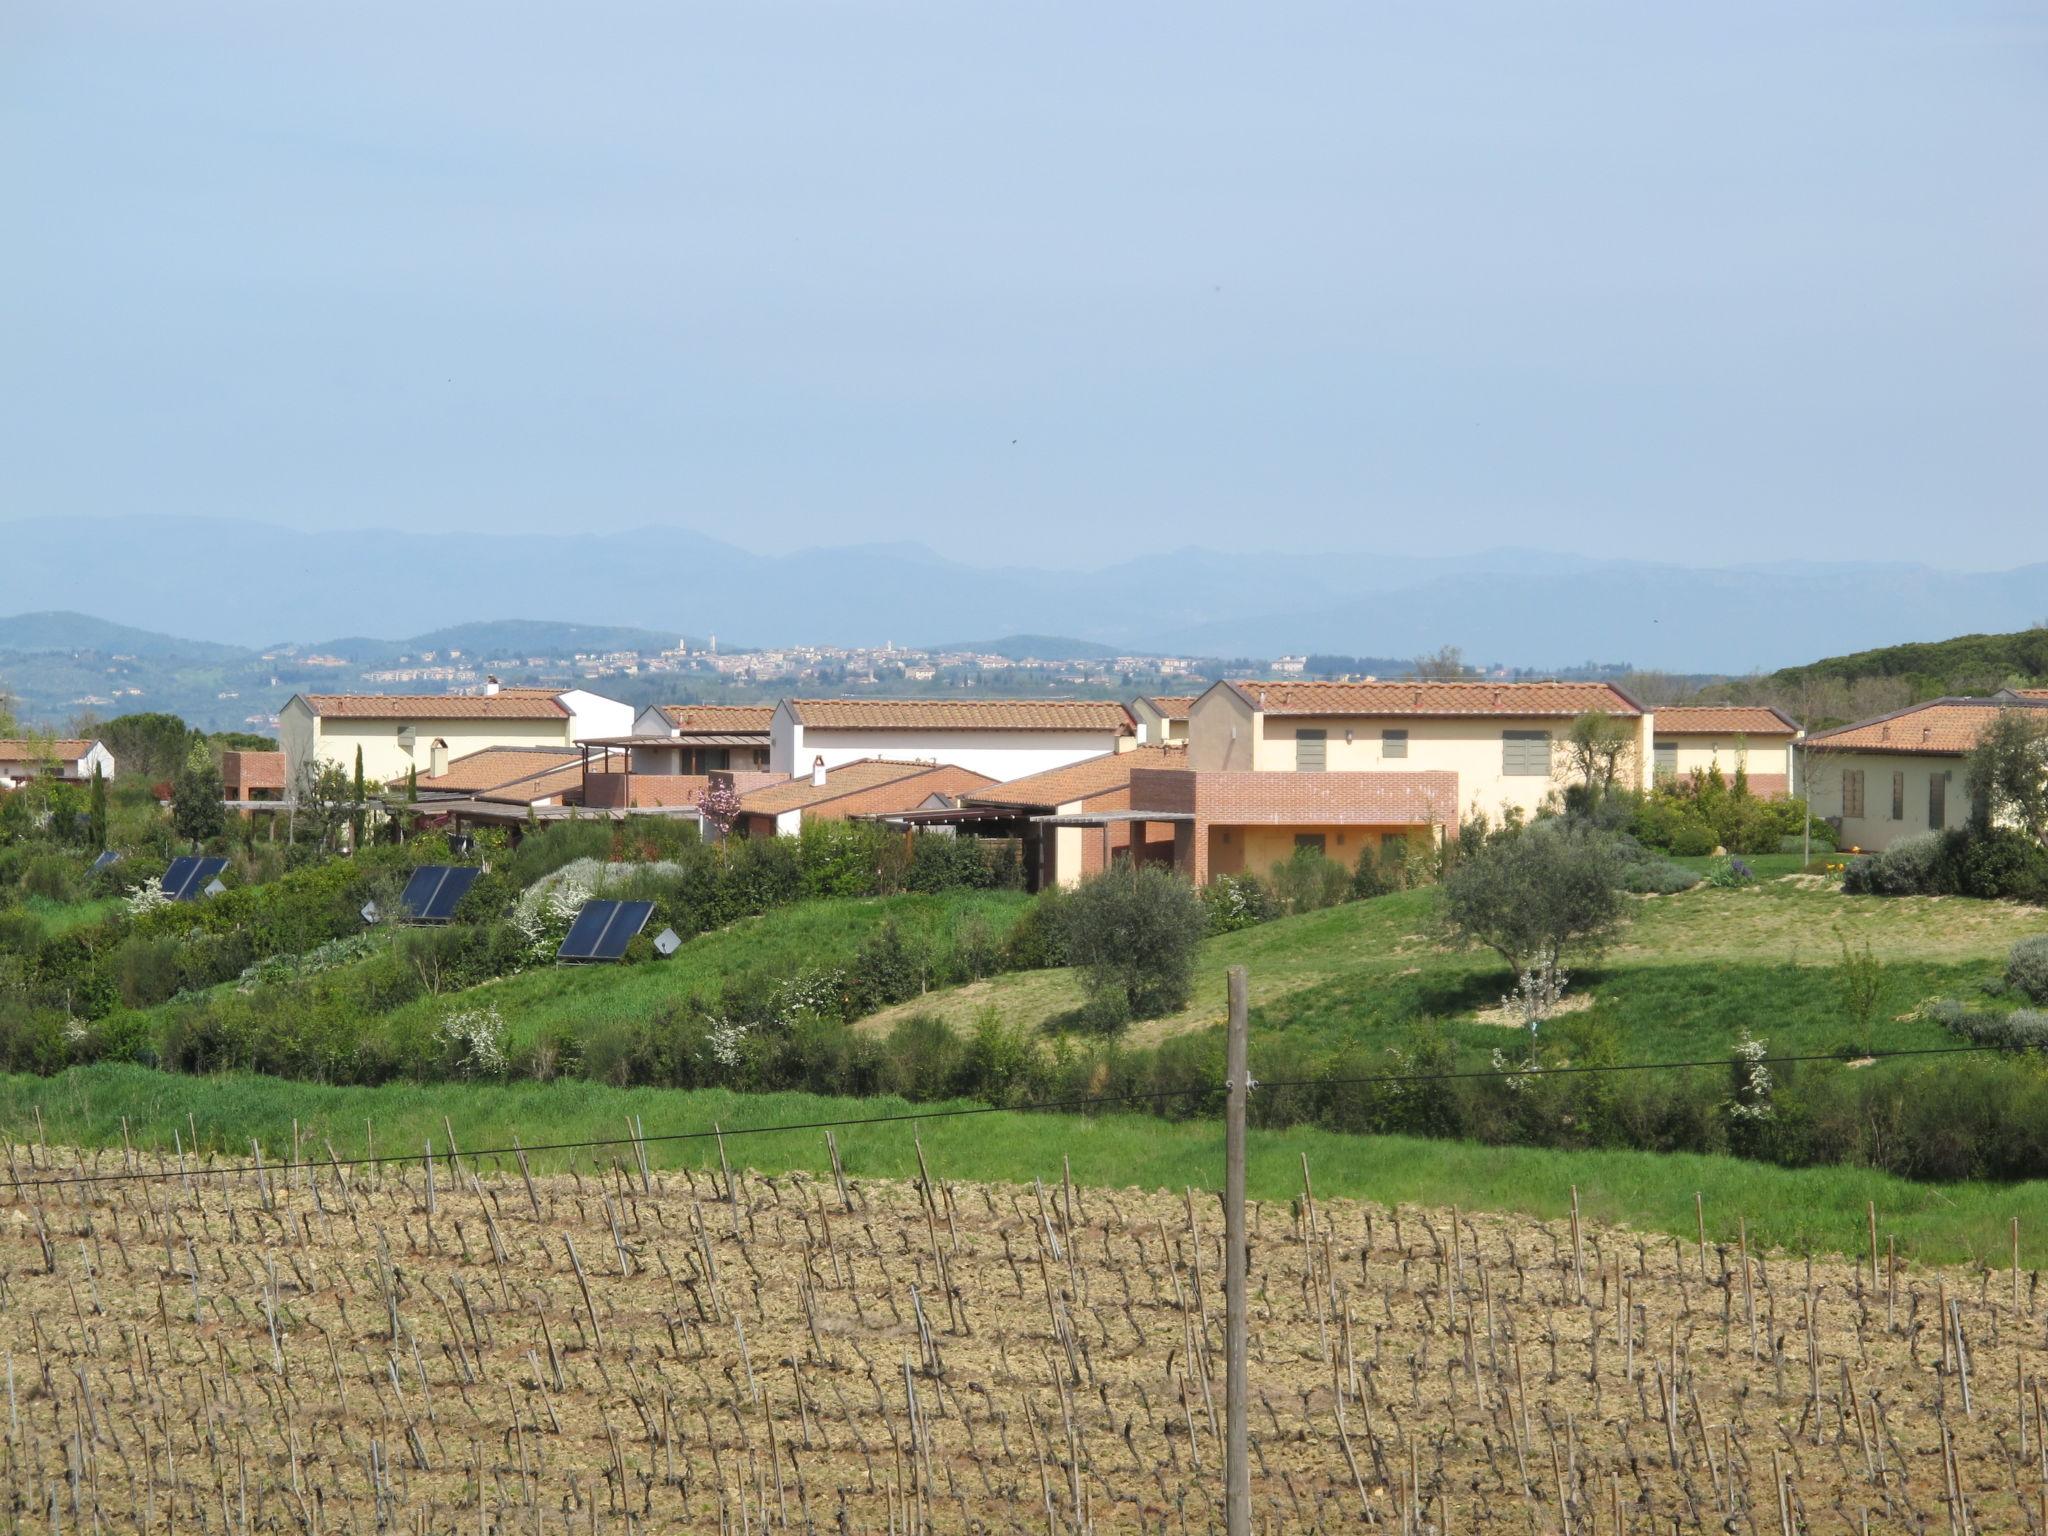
(1311, 751)
(1937, 800)
(1308, 842)
(1666, 764)
(1898, 797)
(1852, 794)
(1525, 754)
(1393, 743)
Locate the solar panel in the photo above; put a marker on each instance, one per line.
(106, 860)
(434, 890)
(188, 877)
(603, 929)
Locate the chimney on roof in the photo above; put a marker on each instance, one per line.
(1926, 733)
(437, 758)
(818, 772)
(490, 687)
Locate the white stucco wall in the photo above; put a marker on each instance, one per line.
(1876, 829)
(593, 715)
(650, 722)
(1002, 755)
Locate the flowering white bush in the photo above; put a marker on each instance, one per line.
(813, 992)
(1752, 1099)
(724, 1039)
(478, 1035)
(147, 897)
(546, 908)
(1536, 995)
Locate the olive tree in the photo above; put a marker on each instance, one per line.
(196, 795)
(1530, 894)
(1132, 931)
(2008, 773)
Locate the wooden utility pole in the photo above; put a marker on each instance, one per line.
(1237, 1482)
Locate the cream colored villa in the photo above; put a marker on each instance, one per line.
(1755, 738)
(1882, 779)
(1351, 768)
(404, 733)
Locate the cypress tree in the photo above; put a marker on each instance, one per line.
(99, 810)
(355, 816)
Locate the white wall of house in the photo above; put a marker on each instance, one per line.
(650, 722)
(21, 769)
(592, 715)
(1891, 781)
(1002, 755)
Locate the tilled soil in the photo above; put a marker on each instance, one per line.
(318, 1349)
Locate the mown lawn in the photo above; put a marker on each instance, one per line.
(1819, 1210)
(1687, 976)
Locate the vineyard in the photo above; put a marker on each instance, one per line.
(292, 1343)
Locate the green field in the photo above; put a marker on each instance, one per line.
(1688, 974)
(1820, 1210)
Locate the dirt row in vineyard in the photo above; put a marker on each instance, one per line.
(466, 1348)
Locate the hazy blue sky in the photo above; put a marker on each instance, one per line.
(1039, 282)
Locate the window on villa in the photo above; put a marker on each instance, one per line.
(1393, 743)
(1525, 754)
(1937, 800)
(1393, 842)
(1898, 797)
(1311, 751)
(1308, 842)
(1665, 765)
(1852, 794)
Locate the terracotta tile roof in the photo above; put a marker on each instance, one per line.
(1723, 719)
(1941, 727)
(1436, 698)
(726, 718)
(1080, 781)
(508, 704)
(17, 748)
(1171, 706)
(496, 769)
(863, 773)
(2031, 693)
(962, 714)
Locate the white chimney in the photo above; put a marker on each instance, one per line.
(437, 758)
(817, 773)
(490, 687)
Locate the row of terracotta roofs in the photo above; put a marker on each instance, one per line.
(1439, 698)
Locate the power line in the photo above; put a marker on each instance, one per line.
(217, 1170)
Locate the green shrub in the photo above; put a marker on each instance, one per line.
(1039, 940)
(2023, 1029)
(2026, 968)
(946, 862)
(1309, 882)
(1133, 931)
(1235, 902)
(52, 876)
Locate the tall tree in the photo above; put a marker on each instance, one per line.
(1596, 750)
(355, 815)
(97, 819)
(1447, 663)
(2008, 773)
(197, 811)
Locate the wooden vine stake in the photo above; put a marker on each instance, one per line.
(1237, 1482)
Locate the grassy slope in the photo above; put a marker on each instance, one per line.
(1687, 976)
(811, 935)
(1813, 1209)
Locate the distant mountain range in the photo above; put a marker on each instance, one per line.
(253, 584)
